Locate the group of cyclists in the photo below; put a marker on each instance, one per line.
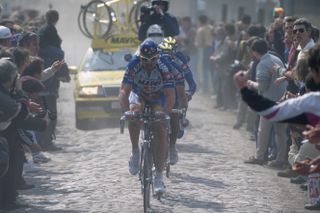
(156, 77)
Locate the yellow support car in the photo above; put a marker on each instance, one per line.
(99, 78)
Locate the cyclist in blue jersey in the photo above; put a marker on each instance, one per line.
(166, 57)
(148, 81)
(180, 62)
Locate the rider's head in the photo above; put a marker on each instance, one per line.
(173, 42)
(165, 49)
(148, 54)
(155, 33)
(164, 4)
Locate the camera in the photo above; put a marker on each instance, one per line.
(146, 12)
(52, 115)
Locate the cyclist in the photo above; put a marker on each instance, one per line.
(155, 33)
(148, 81)
(180, 62)
(166, 56)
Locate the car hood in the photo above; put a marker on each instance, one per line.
(110, 78)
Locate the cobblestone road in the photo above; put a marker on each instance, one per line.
(90, 174)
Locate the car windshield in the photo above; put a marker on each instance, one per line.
(99, 60)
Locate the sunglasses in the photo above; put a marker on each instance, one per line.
(301, 30)
(149, 60)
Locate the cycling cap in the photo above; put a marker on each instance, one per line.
(155, 33)
(148, 49)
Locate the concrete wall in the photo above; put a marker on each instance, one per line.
(213, 8)
(306, 8)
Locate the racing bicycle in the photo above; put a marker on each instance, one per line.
(148, 117)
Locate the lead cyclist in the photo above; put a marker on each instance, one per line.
(146, 81)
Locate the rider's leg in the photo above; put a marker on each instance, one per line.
(174, 123)
(134, 130)
(134, 126)
(175, 128)
(159, 152)
(159, 145)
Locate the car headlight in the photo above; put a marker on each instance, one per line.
(97, 91)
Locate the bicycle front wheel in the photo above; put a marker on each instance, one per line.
(147, 178)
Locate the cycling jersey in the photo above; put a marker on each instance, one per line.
(301, 110)
(181, 64)
(148, 85)
(177, 75)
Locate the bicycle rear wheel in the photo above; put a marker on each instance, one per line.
(96, 19)
(80, 22)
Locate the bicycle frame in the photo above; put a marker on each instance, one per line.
(148, 117)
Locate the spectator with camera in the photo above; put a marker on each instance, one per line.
(158, 14)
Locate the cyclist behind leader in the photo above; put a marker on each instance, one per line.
(148, 81)
(159, 15)
(180, 62)
(168, 54)
(180, 100)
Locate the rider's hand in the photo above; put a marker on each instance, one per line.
(131, 115)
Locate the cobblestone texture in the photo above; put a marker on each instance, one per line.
(91, 173)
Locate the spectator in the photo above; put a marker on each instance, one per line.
(29, 41)
(48, 33)
(5, 37)
(265, 86)
(302, 30)
(203, 42)
(13, 112)
(158, 15)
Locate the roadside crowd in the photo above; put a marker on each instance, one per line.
(276, 62)
(31, 69)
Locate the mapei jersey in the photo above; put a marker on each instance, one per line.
(180, 63)
(146, 84)
(177, 75)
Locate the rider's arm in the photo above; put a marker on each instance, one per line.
(187, 73)
(168, 86)
(126, 86)
(182, 98)
(124, 93)
(170, 99)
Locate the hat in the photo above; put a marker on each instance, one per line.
(26, 37)
(31, 85)
(5, 32)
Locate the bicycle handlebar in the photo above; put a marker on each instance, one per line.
(151, 117)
